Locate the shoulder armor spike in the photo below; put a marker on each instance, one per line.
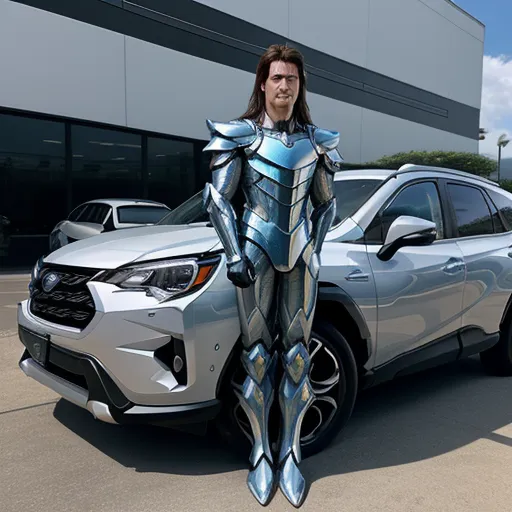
(326, 140)
(228, 136)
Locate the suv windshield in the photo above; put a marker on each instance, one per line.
(350, 196)
(189, 211)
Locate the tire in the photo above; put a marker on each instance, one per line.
(344, 392)
(498, 359)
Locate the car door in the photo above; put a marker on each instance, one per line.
(487, 249)
(420, 289)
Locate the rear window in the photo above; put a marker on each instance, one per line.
(75, 214)
(351, 195)
(140, 214)
(95, 213)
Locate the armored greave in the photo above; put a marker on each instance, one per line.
(257, 392)
(297, 299)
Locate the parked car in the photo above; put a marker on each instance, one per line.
(141, 325)
(103, 215)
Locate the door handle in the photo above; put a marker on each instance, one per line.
(357, 275)
(454, 266)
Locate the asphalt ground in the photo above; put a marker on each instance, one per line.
(436, 441)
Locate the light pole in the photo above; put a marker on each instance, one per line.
(502, 142)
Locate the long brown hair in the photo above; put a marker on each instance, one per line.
(278, 52)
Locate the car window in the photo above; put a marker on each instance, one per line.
(417, 200)
(504, 205)
(471, 210)
(140, 214)
(351, 195)
(75, 214)
(190, 211)
(95, 213)
(496, 220)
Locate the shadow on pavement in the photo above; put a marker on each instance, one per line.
(149, 448)
(405, 421)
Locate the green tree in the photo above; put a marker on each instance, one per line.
(468, 162)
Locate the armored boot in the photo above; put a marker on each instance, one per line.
(295, 396)
(256, 397)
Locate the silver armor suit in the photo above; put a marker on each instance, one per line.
(289, 205)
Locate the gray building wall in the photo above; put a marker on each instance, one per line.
(390, 75)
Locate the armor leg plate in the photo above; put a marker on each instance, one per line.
(297, 306)
(257, 392)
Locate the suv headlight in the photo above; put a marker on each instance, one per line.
(34, 275)
(165, 279)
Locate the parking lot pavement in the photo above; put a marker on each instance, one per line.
(437, 441)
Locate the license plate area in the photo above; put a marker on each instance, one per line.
(38, 345)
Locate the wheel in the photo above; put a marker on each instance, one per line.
(333, 377)
(498, 359)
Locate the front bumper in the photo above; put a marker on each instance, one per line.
(122, 357)
(82, 380)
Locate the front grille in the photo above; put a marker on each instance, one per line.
(69, 302)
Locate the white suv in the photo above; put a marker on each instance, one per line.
(141, 325)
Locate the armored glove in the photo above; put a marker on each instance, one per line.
(241, 273)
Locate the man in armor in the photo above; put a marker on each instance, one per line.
(283, 165)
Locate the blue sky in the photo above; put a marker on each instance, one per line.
(496, 113)
(496, 15)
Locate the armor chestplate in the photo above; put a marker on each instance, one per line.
(276, 181)
(287, 184)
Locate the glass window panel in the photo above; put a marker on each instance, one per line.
(473, 216)
(418, 200)
(32, 186)
(171, 171)
(504, 205)
(351, 195)
(106, 164)
(140, 214)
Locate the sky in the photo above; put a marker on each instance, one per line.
(496, 109)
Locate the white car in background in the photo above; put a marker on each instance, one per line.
(104, 215)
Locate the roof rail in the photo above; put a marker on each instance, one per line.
(417, 168)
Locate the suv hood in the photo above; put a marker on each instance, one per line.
(116, 248)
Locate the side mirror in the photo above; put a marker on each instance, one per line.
(407, 231)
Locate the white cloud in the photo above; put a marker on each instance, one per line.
(496, 110)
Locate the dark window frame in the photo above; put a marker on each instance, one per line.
(507, 225)
(447, 223)
(453, 213)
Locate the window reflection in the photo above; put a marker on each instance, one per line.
(106, 164)
(473, 215)
(44, 176)
(32, 185)
(170, 171)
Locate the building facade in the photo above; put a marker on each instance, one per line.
(109, 98)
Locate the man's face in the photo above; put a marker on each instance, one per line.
(282, 85)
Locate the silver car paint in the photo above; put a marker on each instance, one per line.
(418, 300)
(423, 293)
(488, 279)
(79, 230)
(135, 245)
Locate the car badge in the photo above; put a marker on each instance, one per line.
(50, 281)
